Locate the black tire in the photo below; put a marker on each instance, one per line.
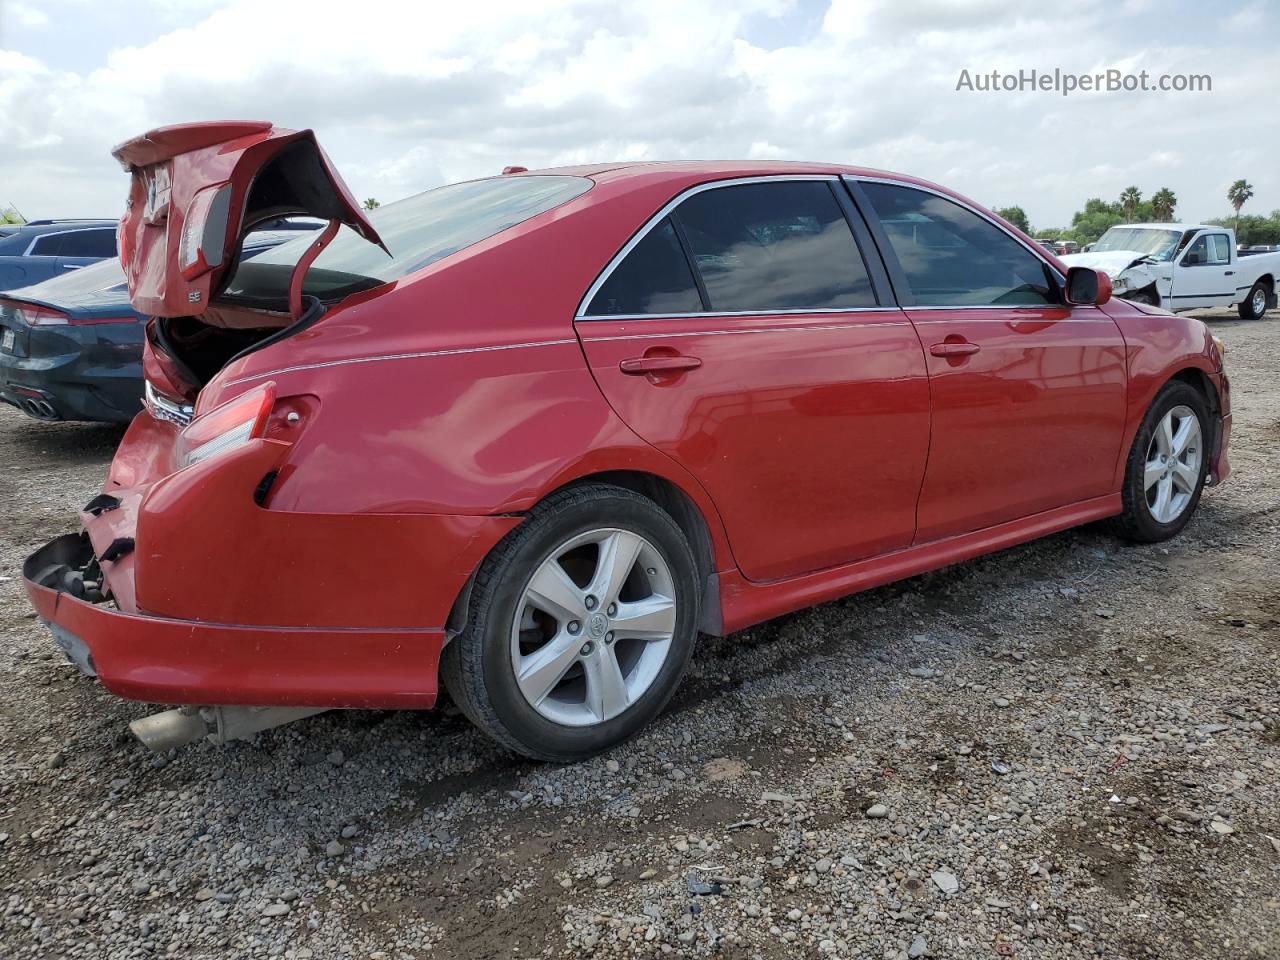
(477, 665)
(1246, 307)
(1145, 296)
(1137, 522)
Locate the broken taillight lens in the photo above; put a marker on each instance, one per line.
(223, 428)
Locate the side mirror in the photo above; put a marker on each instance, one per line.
(1087, 287)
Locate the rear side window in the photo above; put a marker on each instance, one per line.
(89, 243)
(48, 245)
(653, 278)
(953, 257)
(775, 246)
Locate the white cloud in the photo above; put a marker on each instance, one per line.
(407, 96)
(25, 15)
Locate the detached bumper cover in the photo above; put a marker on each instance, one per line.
(186, 661)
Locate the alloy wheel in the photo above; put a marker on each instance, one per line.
(1172, 471)
(594, 627)
(1259, 301)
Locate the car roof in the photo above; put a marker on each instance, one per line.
(1172, 226)
(62, 226)
(697, 171)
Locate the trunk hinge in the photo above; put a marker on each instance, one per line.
(304, 264)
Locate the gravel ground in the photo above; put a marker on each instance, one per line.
(1069, 749)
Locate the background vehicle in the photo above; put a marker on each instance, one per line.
(41, 249)
(532, 433)
(1182, 266)
(71, 347)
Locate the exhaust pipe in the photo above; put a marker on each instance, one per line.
(40, 409)
(162, 732)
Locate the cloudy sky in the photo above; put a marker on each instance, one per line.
(407, 95)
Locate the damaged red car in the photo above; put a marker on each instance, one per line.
(527, 436)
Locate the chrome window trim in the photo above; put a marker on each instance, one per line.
(740, 313)
(1033, 249)
(581, 312)
(742, 331)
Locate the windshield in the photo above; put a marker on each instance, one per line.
(418, 231)
(1158, 244)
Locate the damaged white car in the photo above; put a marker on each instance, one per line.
(1182, 266)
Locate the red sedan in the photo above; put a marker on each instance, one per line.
(531, 434)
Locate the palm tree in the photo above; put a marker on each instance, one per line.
(1162, 203)
(371, 204)
(1129, 200)
(1238, 193)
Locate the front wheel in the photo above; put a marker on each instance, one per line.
(580, 626)
(1165, 472)
(1254, 306)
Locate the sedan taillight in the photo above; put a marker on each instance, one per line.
(36, 315)
(223, 428)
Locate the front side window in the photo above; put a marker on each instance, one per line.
(1219, 248)
(1212, 248)
(953, 257)
(774, 246)
(653, 278)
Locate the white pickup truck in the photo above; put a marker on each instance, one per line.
(1183, 266)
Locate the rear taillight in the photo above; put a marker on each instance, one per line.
(35, 315)
(228, 426)
(204, 231)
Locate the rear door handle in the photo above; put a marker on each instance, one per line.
(954, 349)
(639, 366)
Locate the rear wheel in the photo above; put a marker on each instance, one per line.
(580, 627)
(1254, 306)
(1165, 472)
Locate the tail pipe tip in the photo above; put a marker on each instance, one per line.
(162, 732)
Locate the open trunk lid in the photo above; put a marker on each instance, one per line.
(198, 188)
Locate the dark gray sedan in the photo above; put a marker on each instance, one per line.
(71, 347)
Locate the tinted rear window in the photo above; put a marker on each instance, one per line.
(417, 230)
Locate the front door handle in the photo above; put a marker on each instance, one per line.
(639, 366)
(1229, 272)
(954, 349)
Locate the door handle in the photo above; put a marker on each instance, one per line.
(72, 266)
(639, 366)
(1228, 272)
(954, 349)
